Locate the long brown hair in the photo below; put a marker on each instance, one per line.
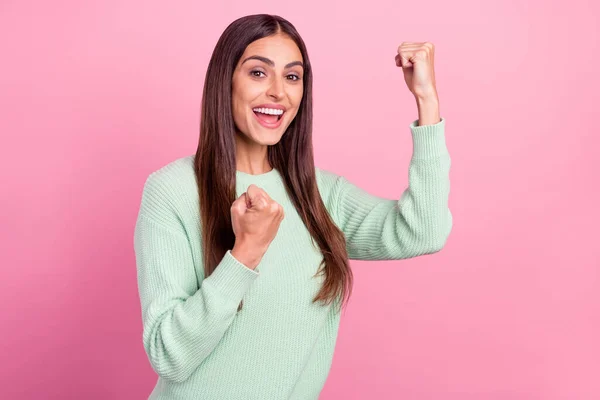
(292, 156)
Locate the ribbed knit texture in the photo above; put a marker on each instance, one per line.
(280, 345)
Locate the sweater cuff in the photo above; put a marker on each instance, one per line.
(429, 141)
(232, 278)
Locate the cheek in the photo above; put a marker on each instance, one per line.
(238, 105)
(236, 110)
(297, 96)
(243, 99)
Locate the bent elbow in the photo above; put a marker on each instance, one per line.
(175, 376)
(437, 240)
(442, 238)
(166, 364)
(168, 370)
(438, 246)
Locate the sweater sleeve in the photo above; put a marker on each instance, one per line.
(416, 224)
(183, 320)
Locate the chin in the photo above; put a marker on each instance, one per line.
(267, 140)
(267, 136)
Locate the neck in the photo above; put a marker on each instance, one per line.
(251, 157)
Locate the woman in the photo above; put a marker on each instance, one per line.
(251, 218)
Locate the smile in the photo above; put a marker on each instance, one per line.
(268, 118)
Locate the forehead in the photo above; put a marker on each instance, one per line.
(278, 48)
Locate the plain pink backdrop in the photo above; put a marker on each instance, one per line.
(96, 95)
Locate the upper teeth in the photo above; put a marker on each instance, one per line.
(271, 111)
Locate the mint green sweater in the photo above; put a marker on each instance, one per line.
(280, 345)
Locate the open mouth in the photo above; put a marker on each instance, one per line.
(268, 118)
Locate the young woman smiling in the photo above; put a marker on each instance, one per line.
(243, 249)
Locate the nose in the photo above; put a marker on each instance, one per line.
(276, 89)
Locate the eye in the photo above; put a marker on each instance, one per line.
(253, 72)
(295, 76)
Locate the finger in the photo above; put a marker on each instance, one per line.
(274, 208)
(403, 60)
(411, 46)
(420, 52)
(411, 50)
(240, 204)
(416, 44)
(259, 203)
(398, 60)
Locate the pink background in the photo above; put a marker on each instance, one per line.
(96, 96)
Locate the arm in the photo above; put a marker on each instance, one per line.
(182, 323)
(418, 223)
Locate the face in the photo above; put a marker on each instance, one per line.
(267, 80)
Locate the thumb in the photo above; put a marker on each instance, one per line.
(246, 200)
(403, 60)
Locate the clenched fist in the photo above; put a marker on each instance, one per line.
(416, 60)
(255, 219)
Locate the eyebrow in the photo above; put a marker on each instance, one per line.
(271, 63)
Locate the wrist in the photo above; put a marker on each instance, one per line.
(428, 109)
(427, 100)
(244, 254)
(426, 95)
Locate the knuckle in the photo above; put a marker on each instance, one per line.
(274, 207)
